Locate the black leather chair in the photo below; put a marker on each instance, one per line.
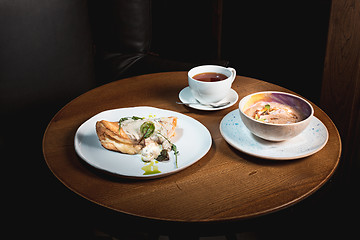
(122, 32)
(47, 51)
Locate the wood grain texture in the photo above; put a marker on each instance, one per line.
(340, 95)
(224, 185)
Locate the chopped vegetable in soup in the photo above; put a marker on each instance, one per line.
(273, 112)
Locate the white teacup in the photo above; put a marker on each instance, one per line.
(211, 92)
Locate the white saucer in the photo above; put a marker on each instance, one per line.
(308, 142)
(185, 95)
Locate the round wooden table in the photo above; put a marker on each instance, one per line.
(225, 184)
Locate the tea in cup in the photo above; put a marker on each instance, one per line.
(210, 83)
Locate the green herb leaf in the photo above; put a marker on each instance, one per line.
(173, 148)
(121, 120)
(267, 106)
(147, 128)
(137, 118)
(176, 153)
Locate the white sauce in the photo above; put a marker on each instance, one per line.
(150, 151)
(155, 143)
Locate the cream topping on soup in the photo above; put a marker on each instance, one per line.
(273, 112)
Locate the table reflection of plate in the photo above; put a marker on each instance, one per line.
(192, 139)
(310, 141)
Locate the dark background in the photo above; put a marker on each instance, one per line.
(276, 41)
(48, 57)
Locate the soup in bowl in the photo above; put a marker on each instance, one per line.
(275, 116)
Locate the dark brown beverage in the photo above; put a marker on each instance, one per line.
(210, 77)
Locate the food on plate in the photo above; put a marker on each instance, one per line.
(273, 112)
(149, 137)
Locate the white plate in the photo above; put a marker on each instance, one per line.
(192, 139)
(186, 96)
(310, 141)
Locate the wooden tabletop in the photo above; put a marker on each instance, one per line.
(225, 184)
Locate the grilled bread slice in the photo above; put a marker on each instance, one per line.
(127, 137)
